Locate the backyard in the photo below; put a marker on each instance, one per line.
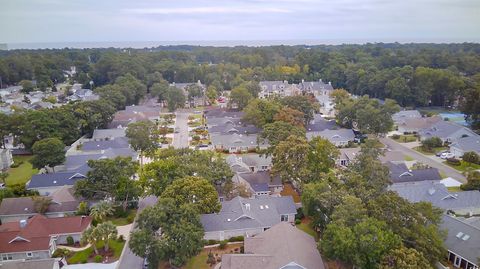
(22, 173)
(200, 261)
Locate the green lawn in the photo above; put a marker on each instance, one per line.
(306, 226)
(23, 173)
(198, 262)
(464, 166)
(405, 138)
(408, 158)
(454, 189)
(123, 221)
(434, 150)
(82, 256)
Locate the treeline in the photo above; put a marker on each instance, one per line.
(411, 74)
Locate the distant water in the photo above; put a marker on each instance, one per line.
(214, 43)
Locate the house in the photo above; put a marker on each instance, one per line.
(108, 134)
(32, 264)
(276, 88)
(6, 159)
(247, 217)
(347, 156)
(47, 184)
(319, 124)
(83, 95)
(223, 113)
(235, 143)
(465, 144)
(132, 114)
(338, 137)
(63, 203)
(230, 128)
(116, 143)
(448, 132)
(462, 242)
(37, 237)
(249, 163)
(399, 173)
(414, 125)
(260, 183)
(406, 114)
(282, 246)
(197, 100)
(464, 202)
(322, 92)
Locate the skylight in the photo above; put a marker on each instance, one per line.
(459, 235)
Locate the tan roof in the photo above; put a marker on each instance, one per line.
(36, 234)
(275, 248)
(63, 194)
(419, 123)
(31, 264)
(63, 200)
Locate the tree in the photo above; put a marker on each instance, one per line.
(473, 181)
(133, 89)
(41, 203)
(91, 236)
(27, 86)
(321, 157)
(143, 136)
(290, 115)
(470, 105)
(304, 104)
(82, 209)
(405, 258)
(212, 94)
(112, 93)
(112, 178)
(240, 97)
(6, 193)
(260, 111)
(350, 212)
(3, 176)
(101, 211)
(364, 245)
(167, 232)
(430, 143)
(279, 131)
(93, 115)
(107, 231)
(175, 99)
(289, 159)
(195, 190)
(471, 157)
(48, 152)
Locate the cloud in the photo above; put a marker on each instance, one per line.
(203, 10)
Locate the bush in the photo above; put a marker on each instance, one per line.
(98, 258)
(299, 214)
(130, 218)
(242, 249)
(60, 253)
(236, 239)
(211, 259)
(430, 143)
(120, 238)
(211, 242)
(120, 213)
(16, 164)
(454, 161)
(70, 241)
(223, 244)
(396, 136)
(471, 157)
(297, 221)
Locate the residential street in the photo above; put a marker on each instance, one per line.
(128, 259)
(448, 171)
(180, 139)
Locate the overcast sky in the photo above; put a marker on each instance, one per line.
(184, 20)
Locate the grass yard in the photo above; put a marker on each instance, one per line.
(306, 226)
(288, 190)
(87, 255)
(405, 138)
(408, 158)
(23, 173)
(464, 166)
(454, 189)
(434, 150)
(200, 261)
(124, 221)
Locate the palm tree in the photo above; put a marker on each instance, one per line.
(91, 236)
(107, 231)
(101, 210)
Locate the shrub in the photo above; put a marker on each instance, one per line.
(223, 244)
(59, 253)
(120, 238)
(242, 249)
(297, 221)
(98, 258)
(130, 218)
(430, 143)
(16, 164)
(70, 241)
(211, 259)
(120, 213)
(236, 239)
(396, 136)
(299, 214)
(212, 242)
(471, 157)
(454, 161)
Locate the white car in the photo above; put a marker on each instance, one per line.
(447, 155)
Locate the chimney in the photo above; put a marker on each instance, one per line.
(247, 207)
(23, 223)
(199, 82)
(320, 80)
(285, 81)
(330, 83)
(303, 81)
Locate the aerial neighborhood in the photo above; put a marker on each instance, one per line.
(158, 158)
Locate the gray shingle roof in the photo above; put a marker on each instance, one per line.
(314, 86)
(466, 144)
(108, 133)
(120, 142)
(261, 178)
(339, 135)
(234, 140)
(223, 113)
(232, 129)
(26, 206)
(406, 114)
(437, 194)
(400, 173)
(54, 179)
(320, 124)
(241, 213)
(462, 238)
(445, 129)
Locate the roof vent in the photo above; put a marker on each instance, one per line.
(54, 182)
(465, 237)
(431, 191)
(261, 207)
(247, 207)
(229, 220)
(26, 209)
(266, 206)
(23, 223)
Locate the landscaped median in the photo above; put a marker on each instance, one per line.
(88, 254)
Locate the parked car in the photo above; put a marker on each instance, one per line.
(447, 155)
(438, 154)
(145, 263)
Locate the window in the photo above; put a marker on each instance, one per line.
(6, 257)
(29, 254)
(264, 167)
(284, 218)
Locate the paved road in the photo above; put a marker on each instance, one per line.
(447, 170)
(180, 139)
(128, 260)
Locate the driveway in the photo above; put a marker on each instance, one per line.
(180, 139)
(91, 266)
(128, 259)
(431, 161)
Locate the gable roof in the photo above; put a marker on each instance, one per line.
(262, 177)
(38, 231)
(55, 179)
(282, 246)
(232, 129)
(108, 133)
(29, 264)
(406, 114)
(400, 173)
(320, 124)
(234, 140)
(466, 144)
(119, 142)
(315, 86)
(338, 135)
(462, 238)
(444, 129)
(437, 194)
(242, 163)
(242, 213)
